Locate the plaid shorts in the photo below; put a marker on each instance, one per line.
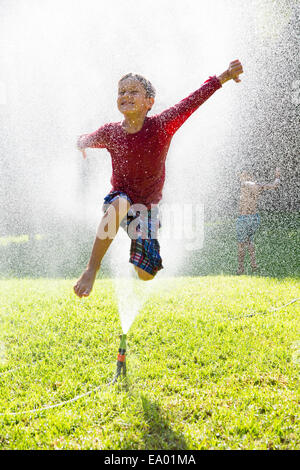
(142, 227)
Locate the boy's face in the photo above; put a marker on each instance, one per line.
(132, 98)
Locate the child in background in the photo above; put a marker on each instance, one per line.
(248, 221)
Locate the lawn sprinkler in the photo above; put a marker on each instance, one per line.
(121, 362)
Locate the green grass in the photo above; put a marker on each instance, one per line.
(61, 253)
(202, 373)
(277, 247)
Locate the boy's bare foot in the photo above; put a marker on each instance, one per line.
(84, 285)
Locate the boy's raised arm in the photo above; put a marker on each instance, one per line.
(232, 73)
(174, 117)
(275, 183)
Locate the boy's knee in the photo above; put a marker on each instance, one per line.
(121, 206)
(143, 275)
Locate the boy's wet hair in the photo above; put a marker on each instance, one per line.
(150, 90)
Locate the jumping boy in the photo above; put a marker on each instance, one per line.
(248, 221)
(138, 148)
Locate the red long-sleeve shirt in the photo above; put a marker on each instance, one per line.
(138, 160)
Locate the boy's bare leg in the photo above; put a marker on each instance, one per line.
(106, 232)
(241, 257)
(251, 249)
(143, 275)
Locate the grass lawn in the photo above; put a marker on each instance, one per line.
(209, 366)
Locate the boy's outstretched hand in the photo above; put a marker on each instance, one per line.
(80, 147)
(232, 73)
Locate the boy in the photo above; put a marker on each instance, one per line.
(248, 221)
(138, 148)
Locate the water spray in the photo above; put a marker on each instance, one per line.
(121, 360)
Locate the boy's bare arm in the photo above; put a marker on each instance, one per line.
(232, 73)
(275, 183)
